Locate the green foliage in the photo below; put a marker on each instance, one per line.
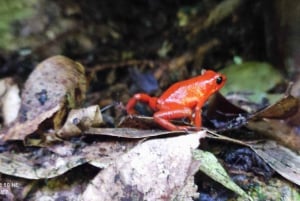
(213, 168)
(252, 78)
(10, 12)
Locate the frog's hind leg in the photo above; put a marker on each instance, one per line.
(163, 118)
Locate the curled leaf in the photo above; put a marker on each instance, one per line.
(283, 108)
(79, 120)
(58, 83)
(279, 122)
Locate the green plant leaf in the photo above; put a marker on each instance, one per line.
(211, 167)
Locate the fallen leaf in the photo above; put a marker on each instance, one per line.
(79, 120)
(277, 130)
(279, 122)
(283, 108)
(281, 159)
(10, 99)
(156, 169)
(224, 115)
(103, 154)
(57, 83)
(44, 164)
(211, 167)
(22, 165)
(129, 132)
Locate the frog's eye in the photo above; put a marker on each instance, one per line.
(219, 80)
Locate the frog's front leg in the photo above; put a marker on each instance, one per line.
(145, 98)
(197, 116)
(163, 118)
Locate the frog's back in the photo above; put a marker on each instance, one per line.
(200, 87)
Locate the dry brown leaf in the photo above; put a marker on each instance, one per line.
(157, 169)
(79, 120)
(284, 108)
(129, 132)
(58, 83)
(277, 130)
(281, 159)
(279, 122)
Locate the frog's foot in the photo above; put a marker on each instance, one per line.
(188, 128)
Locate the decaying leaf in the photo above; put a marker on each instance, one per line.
(283, 108)
(211, 167)
(79, 120)
(58, 83)
(24, 165)
(157, 169)
(43, 164)
(108, 153)
(277, 130)
(10, 100)
(279, 122)
(129, 132)
(281, 159)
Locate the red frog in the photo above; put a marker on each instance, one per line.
(182, 100)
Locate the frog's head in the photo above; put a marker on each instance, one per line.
(215, 81)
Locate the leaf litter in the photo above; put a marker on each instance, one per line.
(58, 83)
(45, 105)
(123, 160)
(55, 160)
